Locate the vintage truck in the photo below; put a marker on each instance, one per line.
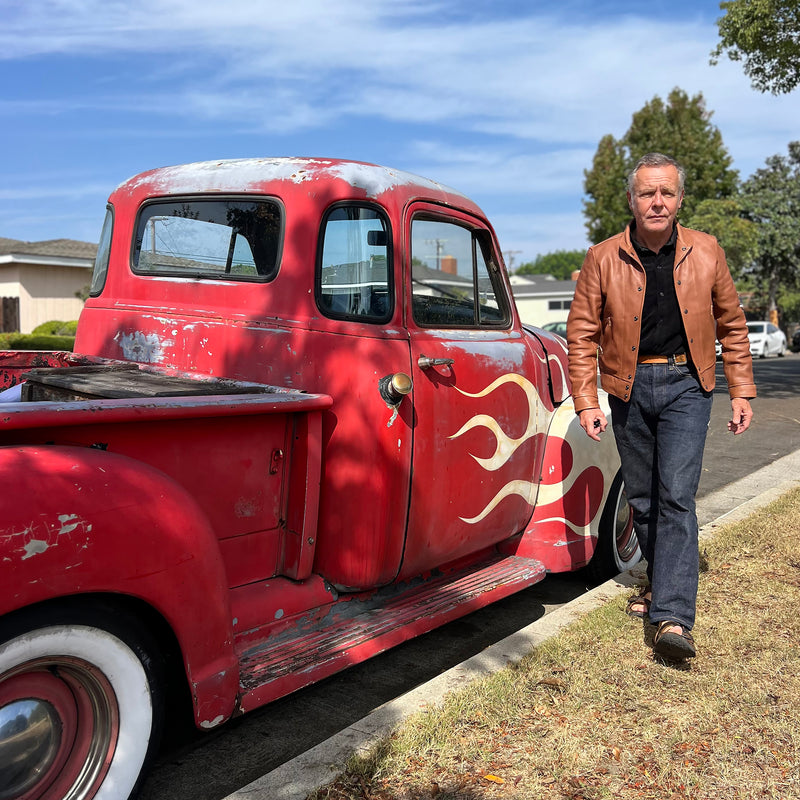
(302, 423)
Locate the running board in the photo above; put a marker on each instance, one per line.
(355, 630)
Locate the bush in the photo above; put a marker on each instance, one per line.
(57, 328)
(32, 341)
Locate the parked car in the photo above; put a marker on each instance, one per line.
(556, 327)
(718, 349)
(766, 339)
(796, 341)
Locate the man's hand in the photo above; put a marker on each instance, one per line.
(594, 422)
(742, 415)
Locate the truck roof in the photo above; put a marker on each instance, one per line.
(342, 180)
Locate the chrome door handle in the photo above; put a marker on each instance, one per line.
(426, 363)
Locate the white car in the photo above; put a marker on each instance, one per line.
(765, 339)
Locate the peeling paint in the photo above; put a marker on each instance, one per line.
(208, 724)
(34, 547)
(250, 174)
(41, 535)
(142, 348)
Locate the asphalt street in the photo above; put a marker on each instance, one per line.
(214, 765)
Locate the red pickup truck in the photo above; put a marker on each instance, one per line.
(303, 423)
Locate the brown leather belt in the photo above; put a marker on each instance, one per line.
(680, 358)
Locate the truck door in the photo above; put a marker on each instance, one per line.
(479, 421)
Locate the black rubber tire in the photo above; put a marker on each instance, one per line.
(617, 546)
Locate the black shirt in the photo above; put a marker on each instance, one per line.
(662, 326)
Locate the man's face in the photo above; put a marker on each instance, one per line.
(655, 200)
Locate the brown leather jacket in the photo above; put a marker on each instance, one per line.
(607, 309)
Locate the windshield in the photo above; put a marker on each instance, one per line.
(755, 327)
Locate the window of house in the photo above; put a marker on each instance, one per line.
(559, 305)
(354, 275)
(229, 239)
(454, 281)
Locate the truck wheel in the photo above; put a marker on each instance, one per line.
(617, 546)
(80, 706)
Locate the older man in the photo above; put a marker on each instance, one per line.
(652, 300)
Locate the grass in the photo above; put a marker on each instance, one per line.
(592, 714)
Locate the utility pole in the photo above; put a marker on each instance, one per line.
(509, 257)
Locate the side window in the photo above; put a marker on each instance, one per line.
(103, 255)
(225, 239)
(454, 284)
(354, 276)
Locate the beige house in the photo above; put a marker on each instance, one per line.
(39, 281)
(541, 298)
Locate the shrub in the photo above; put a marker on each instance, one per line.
(32, 341)
(57, 328)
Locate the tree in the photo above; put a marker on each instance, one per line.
(737, 235)
(560, 264)
(680, 128)
(765, 35)
(771, 199)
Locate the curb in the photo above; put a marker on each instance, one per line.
(297, 778)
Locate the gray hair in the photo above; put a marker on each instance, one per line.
(656, 160)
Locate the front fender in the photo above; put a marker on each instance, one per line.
(575, 481)
(76, 520)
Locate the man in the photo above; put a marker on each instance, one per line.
(652, 300)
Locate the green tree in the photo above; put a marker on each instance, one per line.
(738, 236)
(765, 36)
(681, 128)
(771, 199)
(560, 264)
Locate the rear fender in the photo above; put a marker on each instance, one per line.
(76, 520)
(575, 480)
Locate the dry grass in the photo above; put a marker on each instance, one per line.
(592, 714)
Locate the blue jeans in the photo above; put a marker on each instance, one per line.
(660, 436)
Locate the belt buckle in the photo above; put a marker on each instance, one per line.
(680, 359)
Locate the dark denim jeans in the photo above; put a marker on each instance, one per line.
(660, 436)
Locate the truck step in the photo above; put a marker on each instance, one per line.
(355, 630)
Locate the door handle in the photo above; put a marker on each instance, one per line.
(426, 363)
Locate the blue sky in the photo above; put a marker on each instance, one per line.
(504, 100)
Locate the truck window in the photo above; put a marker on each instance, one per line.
(195, 238)
(103, 255)
(354, 278)
(453, 285)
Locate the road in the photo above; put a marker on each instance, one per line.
(210, 766)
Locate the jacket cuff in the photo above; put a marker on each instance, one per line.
(746, 390)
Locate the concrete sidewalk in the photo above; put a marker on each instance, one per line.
(297, 778)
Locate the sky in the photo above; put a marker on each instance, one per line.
(504, 100)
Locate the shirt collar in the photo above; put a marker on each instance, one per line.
(640, 248)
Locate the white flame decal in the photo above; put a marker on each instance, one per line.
(525, 489)
(538, 417)
(506, 446)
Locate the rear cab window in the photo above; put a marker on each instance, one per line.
(221, 238)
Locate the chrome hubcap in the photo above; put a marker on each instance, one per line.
(623, 529)
(30, 735)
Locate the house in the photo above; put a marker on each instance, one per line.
(541, 298)
(40, 281)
